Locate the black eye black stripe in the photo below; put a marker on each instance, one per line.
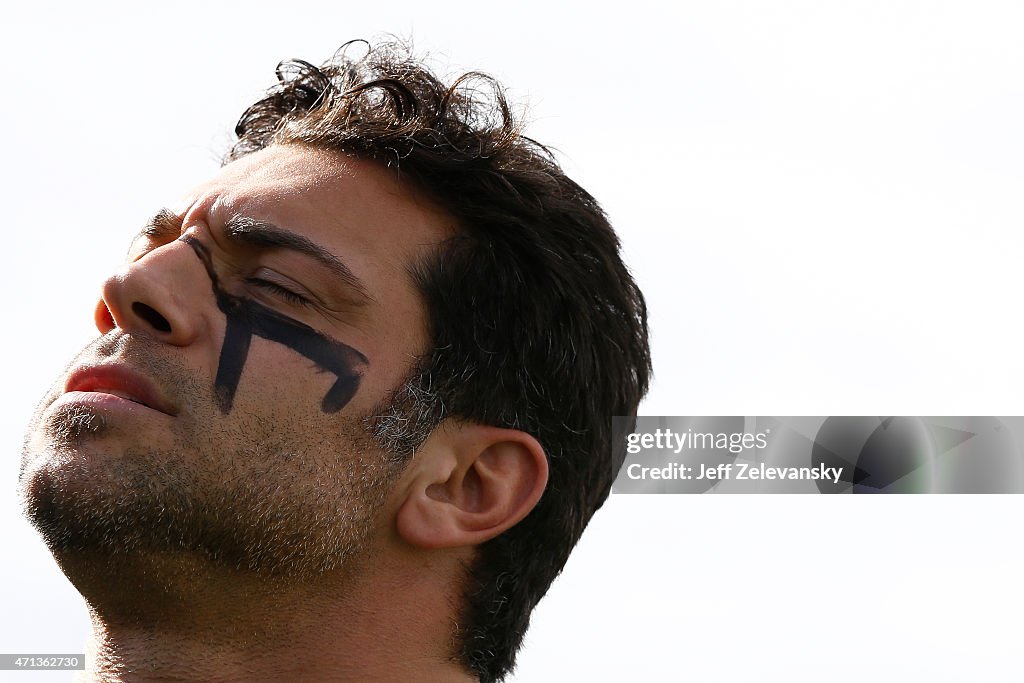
(246, 318)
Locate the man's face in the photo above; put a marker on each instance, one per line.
(252, 330)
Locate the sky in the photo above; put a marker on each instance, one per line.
(820, 200)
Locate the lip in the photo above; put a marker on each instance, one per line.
(120, 382)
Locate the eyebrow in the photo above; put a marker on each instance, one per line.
(261, 234)
(265, 235)
(164, 224)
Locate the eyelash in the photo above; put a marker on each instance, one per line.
(280, 291)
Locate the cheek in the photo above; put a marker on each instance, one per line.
(393, 352)
(388, 374)
(276, 380)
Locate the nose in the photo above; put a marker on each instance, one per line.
(155, 295)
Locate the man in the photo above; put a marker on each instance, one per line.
(351, 404)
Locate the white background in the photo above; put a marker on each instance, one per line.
(821, 200)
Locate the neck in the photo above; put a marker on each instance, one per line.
(160, 619)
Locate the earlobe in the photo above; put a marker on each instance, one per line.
(473, 483)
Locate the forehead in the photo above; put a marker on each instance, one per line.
(327, 196)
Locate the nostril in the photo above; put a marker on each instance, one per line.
(150, 315)
(104, 319)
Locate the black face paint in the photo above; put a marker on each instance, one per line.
(246, 318)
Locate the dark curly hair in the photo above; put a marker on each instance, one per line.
(535, 322)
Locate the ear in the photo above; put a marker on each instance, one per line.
(470, 483)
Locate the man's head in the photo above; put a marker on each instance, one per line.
(389, 317)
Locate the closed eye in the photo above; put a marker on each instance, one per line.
(279, 291)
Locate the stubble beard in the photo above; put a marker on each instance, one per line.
(254, 494)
